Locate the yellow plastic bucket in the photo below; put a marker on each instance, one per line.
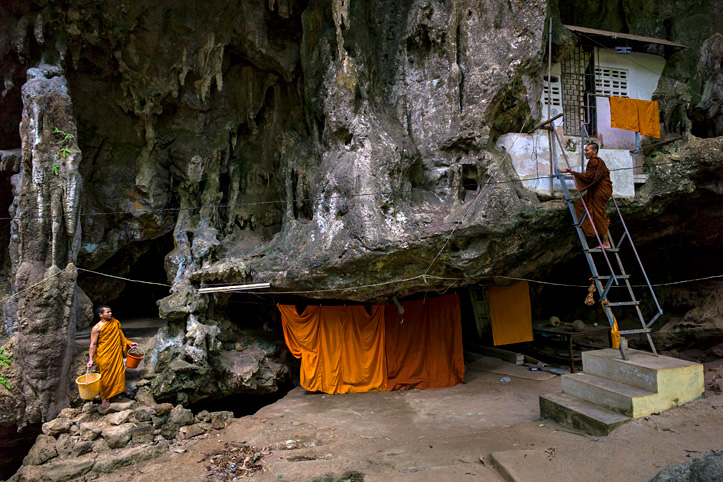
(88, 385)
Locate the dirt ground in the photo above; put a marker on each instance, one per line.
(442, 435)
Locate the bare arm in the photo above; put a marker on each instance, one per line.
(94, 335)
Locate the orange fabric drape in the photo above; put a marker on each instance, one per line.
(109, 358)
(510, 313)
(635, 115)
(425, 350)
(341, 347)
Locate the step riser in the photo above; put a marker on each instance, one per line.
(570, 418)
(599, 396)
(635, 407)
(619, 371)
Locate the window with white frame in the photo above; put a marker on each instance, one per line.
(556, 95)
(611, 81)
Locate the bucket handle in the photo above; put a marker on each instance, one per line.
(138, 348)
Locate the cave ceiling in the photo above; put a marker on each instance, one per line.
(327, 145)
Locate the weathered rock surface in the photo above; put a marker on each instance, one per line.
(305, 145)
(703, 469)
(118, 435)
(110, 461)
(89, 441)
(42, 451)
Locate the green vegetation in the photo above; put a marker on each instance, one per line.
(4, 363)
(62, 141)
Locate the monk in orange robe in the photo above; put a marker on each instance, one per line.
(596, 180)
(107, 347)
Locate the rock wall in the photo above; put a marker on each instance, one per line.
(334, 146)
(44, 243)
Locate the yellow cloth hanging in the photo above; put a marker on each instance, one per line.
(510, 313)
(614, 331)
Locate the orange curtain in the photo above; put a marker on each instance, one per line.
(341, 347)
(424, 350)
(510, 313)
(635, 115)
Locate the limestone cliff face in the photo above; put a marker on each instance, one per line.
(317, 145)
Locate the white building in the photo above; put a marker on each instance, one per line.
(603, 64)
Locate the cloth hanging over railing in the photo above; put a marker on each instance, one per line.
(635, 115)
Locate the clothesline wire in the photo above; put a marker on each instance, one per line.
(364, 194)
(126, 279)
(329, 290)
(548, 283)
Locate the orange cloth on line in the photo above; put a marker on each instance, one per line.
(596, 181)
(109, 358)
(635, 115)
(341, 347)
(648, 118)
(510, 313)
(424, 351)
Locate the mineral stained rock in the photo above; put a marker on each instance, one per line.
(339, 149)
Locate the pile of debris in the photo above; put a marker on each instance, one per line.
(236, 460)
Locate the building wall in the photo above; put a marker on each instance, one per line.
(530, 156)
(644, 71)
(642, 74)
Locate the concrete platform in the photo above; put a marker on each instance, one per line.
(612, 391)
(674, 381)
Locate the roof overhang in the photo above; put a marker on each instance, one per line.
(592, 32)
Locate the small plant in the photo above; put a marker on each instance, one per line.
(5, 363)
(62, 142)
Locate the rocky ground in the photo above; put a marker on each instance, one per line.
(457, 433)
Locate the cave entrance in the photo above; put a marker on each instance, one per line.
(138, 300)
(250, 335)
(14, 446)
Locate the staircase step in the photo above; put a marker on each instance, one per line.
(580, 414)
(624, 303)
(620, 397)
(675, 381)
(598, 250)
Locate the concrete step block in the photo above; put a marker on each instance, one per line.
(580, 414)
(629, 400)
(670, 377)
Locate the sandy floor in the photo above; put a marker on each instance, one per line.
(441, 435)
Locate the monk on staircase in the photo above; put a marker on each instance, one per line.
(596, 181)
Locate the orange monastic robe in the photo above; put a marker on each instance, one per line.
(109, 358)
(596, 180)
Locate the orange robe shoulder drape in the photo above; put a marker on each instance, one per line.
(596, 180)
(109, 358)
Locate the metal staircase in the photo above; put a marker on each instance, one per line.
(614, 271)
